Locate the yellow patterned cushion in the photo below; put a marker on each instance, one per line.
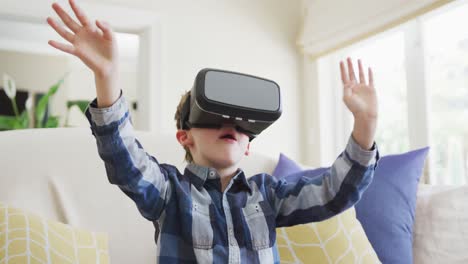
(340, 239)
(27, 238)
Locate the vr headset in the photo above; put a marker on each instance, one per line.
(221, 97)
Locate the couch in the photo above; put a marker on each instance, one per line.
(57, 173)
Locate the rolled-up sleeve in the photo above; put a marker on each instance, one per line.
(306, 197)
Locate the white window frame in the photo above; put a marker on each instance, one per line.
(338, 122)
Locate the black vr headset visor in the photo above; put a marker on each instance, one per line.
(221, 97)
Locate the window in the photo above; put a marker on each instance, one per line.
(421, 77)
(446, 53)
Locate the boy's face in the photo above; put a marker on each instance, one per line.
(212, 147)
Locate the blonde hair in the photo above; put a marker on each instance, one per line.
(178, 117)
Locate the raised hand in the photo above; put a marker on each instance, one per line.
(95, 46)
(361, 99)
(92, 43)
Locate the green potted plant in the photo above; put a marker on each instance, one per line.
(38, 113)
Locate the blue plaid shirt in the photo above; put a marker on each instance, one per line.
(200, 224)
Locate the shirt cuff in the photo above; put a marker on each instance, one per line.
(362, 156)
(106, 115)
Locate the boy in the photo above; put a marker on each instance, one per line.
(212, 213)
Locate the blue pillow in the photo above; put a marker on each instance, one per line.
(285, 167)
(386, 209)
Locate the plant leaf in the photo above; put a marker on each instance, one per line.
(7, 122)
(9, 86)
(43, 102)
(82, 104)
(23, 120)
(52, 121)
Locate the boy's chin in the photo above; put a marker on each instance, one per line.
(225, 161)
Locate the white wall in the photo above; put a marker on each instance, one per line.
(255, 37)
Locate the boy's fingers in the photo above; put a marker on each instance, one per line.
(362, 78)
(60, 30)
(371, 78)
(107, 32)
(79, 13)
(344, 78)
(71, 24)
(352, 77)
(63, 47)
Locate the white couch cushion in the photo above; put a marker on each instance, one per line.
(441, 226)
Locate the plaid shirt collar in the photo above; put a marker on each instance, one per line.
(202, 173)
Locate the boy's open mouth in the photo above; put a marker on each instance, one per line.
(229, 136)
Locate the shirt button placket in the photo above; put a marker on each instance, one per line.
(233, 248)
(212, 174)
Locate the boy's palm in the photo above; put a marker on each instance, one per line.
(95, 46)
(359, 97)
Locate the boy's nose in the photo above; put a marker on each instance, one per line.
(229, 127)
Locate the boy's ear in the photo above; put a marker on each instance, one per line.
(247, 152)
(184, 138)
